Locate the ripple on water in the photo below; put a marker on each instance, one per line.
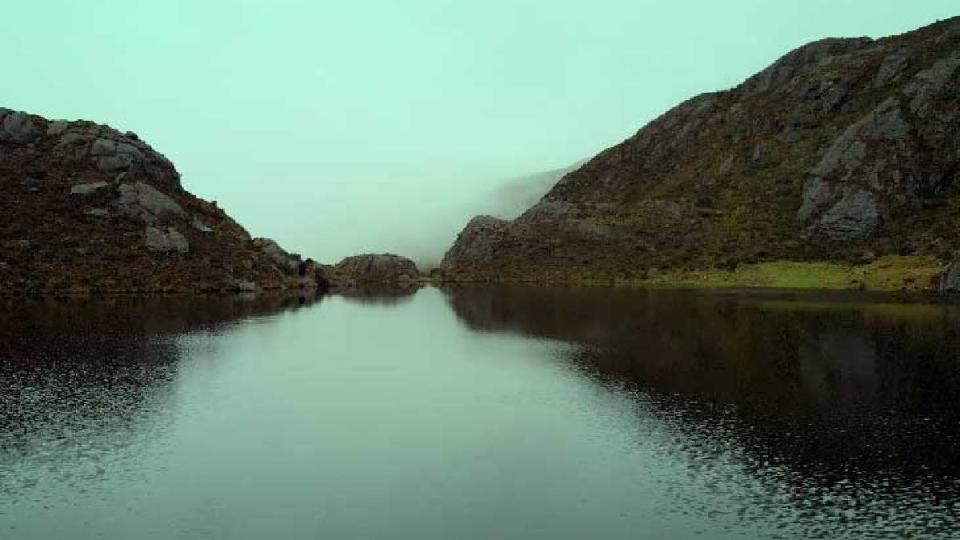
(761, 420)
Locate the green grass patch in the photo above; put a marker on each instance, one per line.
(892, 273)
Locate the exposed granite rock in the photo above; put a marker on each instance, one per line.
(101, 211)
(476, 242)
(115, 156)
(931, 86)
(166, 240)
(144, 203)
(842, 146)
(108, 151)
(374, 269)
(881, 164)
(199, 225)
(853, 214)
(950, 279)
(19, 127)
(309, 273)
(279, 256)
(841, 202)
(891, 68)
(57, 127)
(804, 61)
(90, 188)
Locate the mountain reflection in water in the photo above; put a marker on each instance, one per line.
(848, 397)
(480, 412)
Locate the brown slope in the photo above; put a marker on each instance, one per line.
(90, 209)
(841, 147)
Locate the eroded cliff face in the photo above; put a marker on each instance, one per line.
(91, 209)
(840, 148)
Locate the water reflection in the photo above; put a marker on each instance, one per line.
(844, 407)
(88, 383)
(480, 413)
(384, 295)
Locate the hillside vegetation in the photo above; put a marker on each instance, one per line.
(843, 154)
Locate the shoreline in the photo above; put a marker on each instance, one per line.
(913, 275)
(889, 274)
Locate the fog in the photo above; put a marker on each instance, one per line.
(505, 198)
(339, 128)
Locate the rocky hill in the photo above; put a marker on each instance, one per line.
(91, 209)
(843, 150)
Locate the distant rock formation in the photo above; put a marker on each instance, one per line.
(476, 243)
(91, 209)
(367, 269)
(841, 147)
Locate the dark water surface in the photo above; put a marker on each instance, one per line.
(481, 413)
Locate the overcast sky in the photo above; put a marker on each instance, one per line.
(354, 126)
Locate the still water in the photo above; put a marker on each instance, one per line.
(481, 413)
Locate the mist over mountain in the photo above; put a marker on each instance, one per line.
(426, 240)
(515, 195)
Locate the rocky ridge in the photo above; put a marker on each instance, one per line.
(842, 149)
(91, 209)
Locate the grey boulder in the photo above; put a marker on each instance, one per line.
(19, 127)
(199, 225)
(165, 240)
(142, 202)
(90, 188)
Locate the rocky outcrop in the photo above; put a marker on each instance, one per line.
(309, 272)
(143, 203)
(91, 209)
(86, 144)
(89, 188)
(476, 242)
(277, 254)
(166, 240)
(841, 147)
(950, 279)
(881, 164)
(380, 269)
(839, 211)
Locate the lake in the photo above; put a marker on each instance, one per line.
(481, 413)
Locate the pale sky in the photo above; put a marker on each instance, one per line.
(345, 127)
